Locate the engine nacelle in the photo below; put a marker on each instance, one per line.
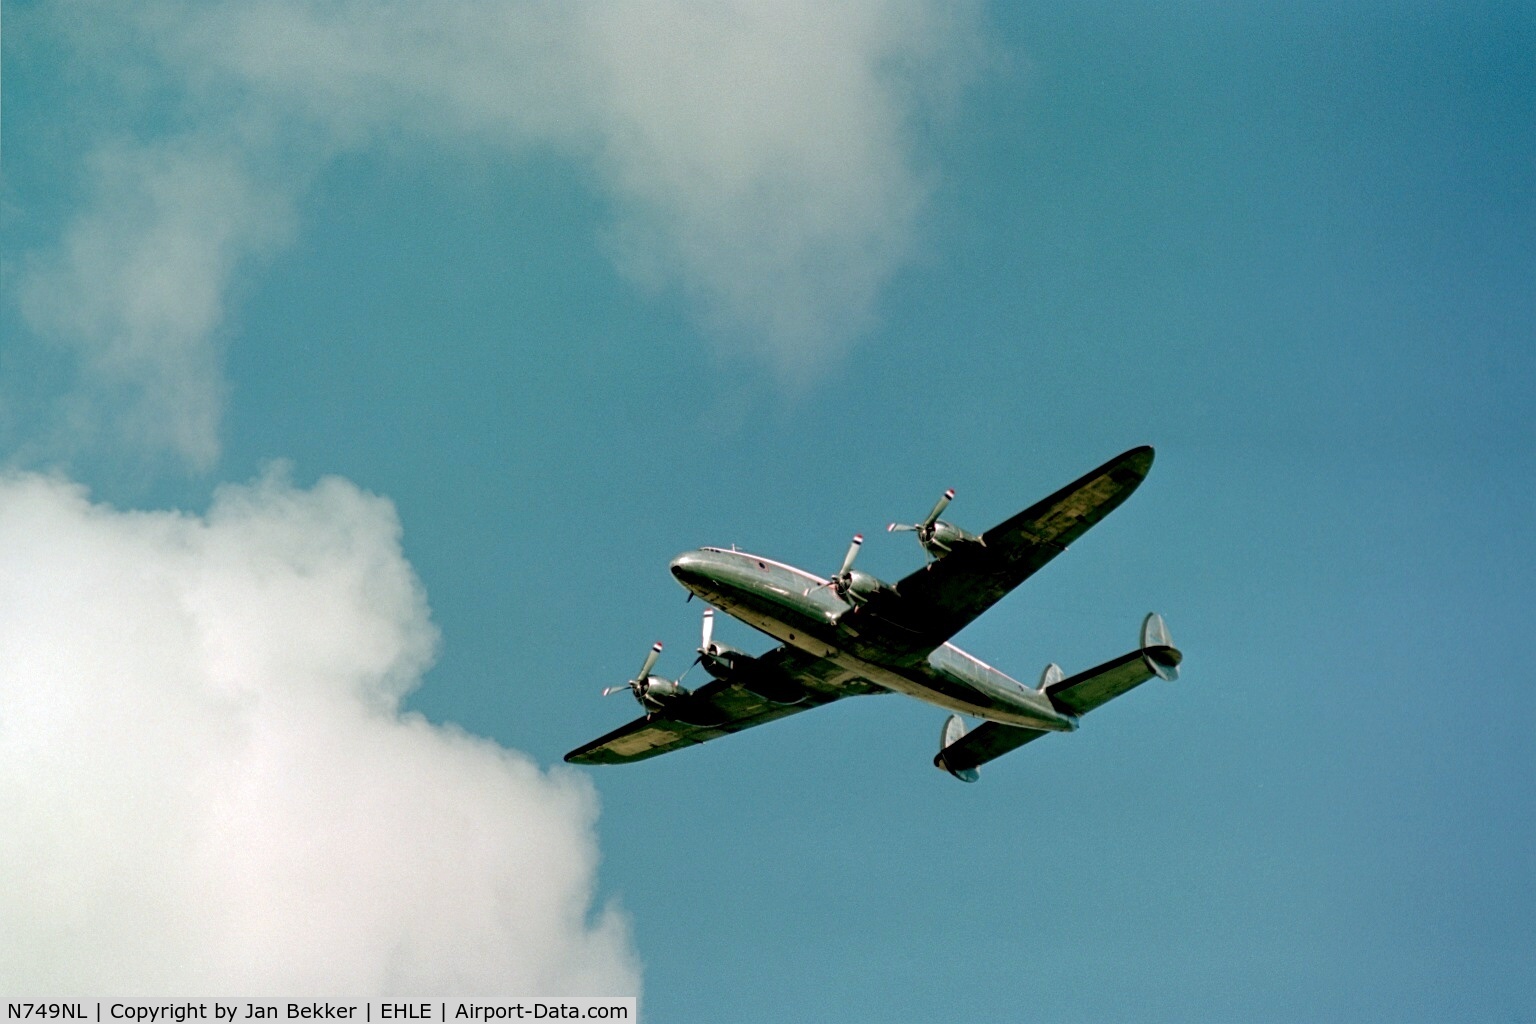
(655, 693)
(862, 586)
(729, 665)
(723, 662)
(944, 538)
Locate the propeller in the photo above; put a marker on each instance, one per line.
(925, 529)
(842, 583)
(853, 551)
(642, 682)
(705, 648)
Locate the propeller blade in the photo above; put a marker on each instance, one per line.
(709, 629)
(853, 550)
(614, 689)
(899, 527)
(939, 507)
(650, 660)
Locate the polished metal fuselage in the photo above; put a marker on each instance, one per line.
(796, 608)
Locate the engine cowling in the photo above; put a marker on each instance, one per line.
(851, 586)
(655, 693)
(729, 665)
(937, 537)
(722, 661)
(945, 537)
(858, 587)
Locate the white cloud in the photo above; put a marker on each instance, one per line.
(763, 153)
(761, 158)
(139, 283)
(207, 785)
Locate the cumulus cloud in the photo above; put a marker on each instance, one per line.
(207, 784)
(760, 158)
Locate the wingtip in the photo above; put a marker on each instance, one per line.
(1139, 459)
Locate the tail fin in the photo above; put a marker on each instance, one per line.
(954, 732)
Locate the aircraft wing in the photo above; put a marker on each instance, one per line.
(937, 601)
(796, 681)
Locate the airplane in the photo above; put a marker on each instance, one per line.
(854, 635)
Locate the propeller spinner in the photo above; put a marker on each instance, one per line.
(653, 692)
(925, 528)
(722, 661)
(842, 583)
(937, 538)
(641, 684)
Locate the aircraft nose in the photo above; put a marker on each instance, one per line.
(691, 569)
(686, 566)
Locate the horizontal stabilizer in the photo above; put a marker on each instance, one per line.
(1080, 694)
(963, 752)
(987, 741)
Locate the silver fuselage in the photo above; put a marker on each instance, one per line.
(794, 607)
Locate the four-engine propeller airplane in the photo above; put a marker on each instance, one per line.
(853, 634)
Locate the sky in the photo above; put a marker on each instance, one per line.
(362, 365)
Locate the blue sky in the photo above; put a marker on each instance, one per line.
(575, 322)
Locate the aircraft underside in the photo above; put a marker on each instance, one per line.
(956, 683)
